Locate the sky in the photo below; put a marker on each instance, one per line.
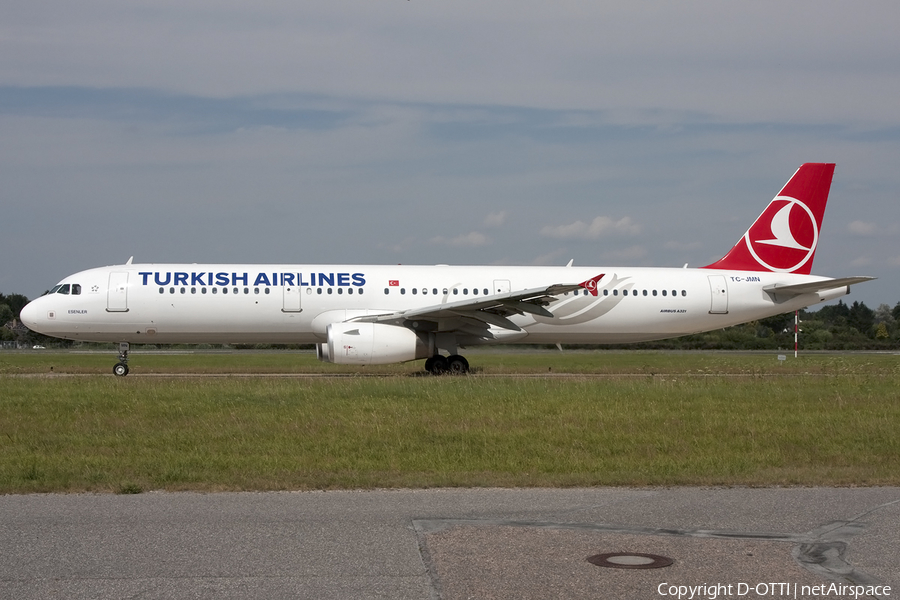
(422, 132)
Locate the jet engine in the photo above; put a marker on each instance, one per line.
(373, 344)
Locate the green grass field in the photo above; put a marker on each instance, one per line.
(632, 418)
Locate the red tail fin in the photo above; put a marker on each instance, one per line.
(784, 237)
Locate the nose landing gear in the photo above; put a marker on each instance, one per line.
(121, 368)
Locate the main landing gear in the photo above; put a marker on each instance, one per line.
(121, 368)
(453, 364)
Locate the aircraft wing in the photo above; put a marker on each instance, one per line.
(815, 286)
(476, 315)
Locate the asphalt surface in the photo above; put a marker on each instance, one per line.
(454, 543)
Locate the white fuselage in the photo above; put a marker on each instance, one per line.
(221, 303)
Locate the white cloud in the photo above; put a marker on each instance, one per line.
(683, 246)
(591, 231)
(862, 228)
(473, 239)
(626, 256)
(552, 258)
(495, 219)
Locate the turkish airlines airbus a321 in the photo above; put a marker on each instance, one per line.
(363, 314)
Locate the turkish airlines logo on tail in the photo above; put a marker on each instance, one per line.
(784, 237)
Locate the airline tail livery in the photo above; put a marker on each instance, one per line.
(368, 314)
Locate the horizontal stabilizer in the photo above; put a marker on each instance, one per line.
(815, 286)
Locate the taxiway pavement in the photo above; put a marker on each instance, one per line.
(452, 544)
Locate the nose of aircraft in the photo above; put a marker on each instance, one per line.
(29, 315)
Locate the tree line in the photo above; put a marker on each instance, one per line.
(835, 327)
(10, 327)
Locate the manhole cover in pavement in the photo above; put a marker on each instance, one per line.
(630, 560)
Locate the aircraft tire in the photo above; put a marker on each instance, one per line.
(457, 365)
(120, 370)
(438, 365)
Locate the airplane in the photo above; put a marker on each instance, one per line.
(381, 314)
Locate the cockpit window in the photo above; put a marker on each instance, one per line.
(64, 289)
(76, 289)
(54, 289)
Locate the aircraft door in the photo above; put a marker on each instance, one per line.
(501, 286)
(117, 293)
(291, 300)
(719, 291)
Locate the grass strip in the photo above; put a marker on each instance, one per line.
(136, 434)
(484, 361)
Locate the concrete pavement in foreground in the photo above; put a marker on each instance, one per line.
(455, 544)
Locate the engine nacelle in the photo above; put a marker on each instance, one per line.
(373, 344)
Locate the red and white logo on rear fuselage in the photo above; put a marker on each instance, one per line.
(784, 237)
(591, 284)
